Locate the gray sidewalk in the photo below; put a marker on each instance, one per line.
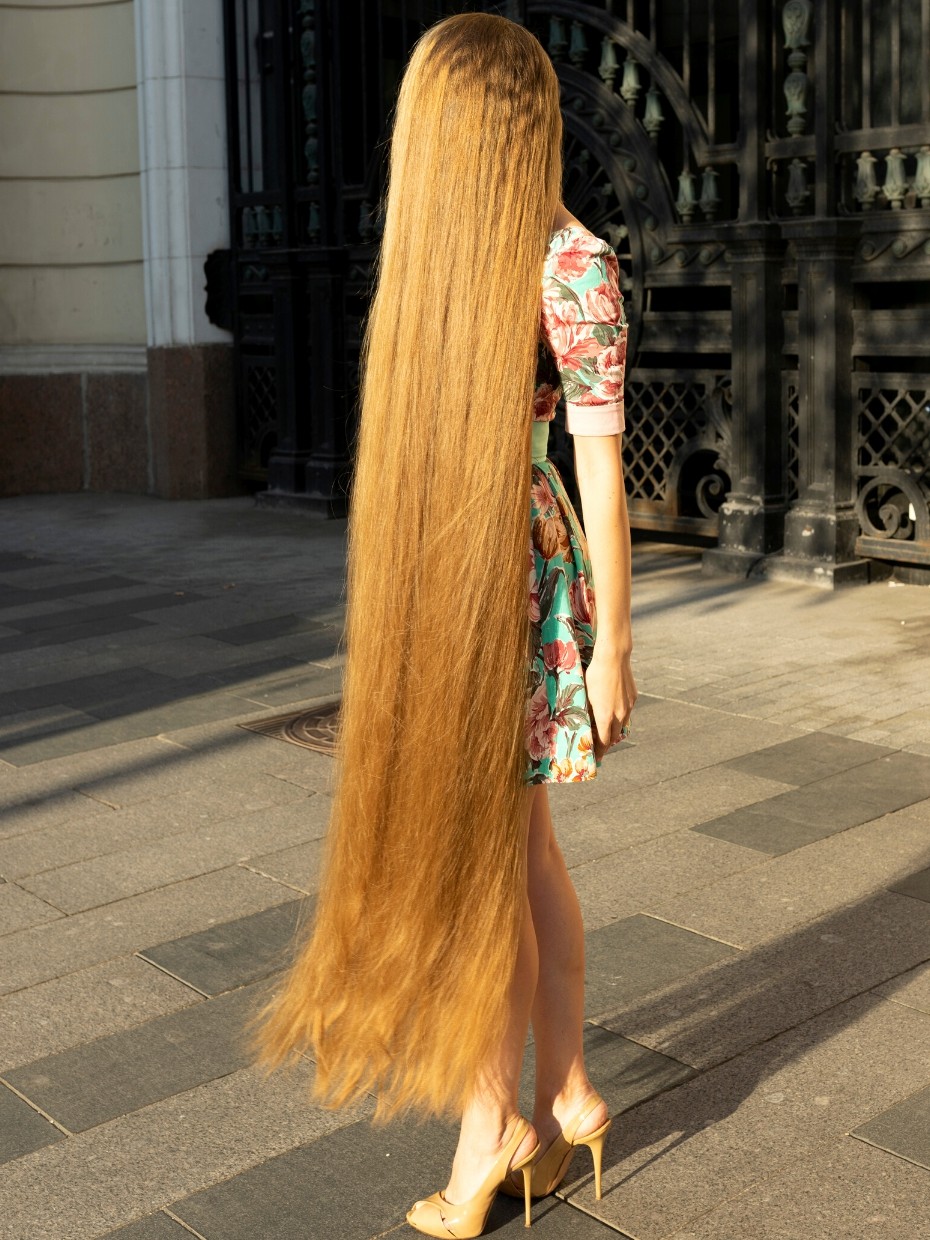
(754, 873)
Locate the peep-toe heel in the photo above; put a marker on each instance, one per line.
(551, 1167)
(435, 1216)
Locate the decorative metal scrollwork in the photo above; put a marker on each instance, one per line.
(892, 505)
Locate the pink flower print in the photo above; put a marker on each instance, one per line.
(581, 599)
(543, 499)
(540, 728)
(574, 259)
(613, 357)
(544, 402)
(557, 308)
(532, 607)
(572, 343)
(559, 656)
(601, 304)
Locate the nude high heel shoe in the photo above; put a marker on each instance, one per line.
(550, 1168)
(434, 1216)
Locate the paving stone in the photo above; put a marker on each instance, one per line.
(324, 682)
(911, 988)
(631, 957)
(67, 633)
(302, 1193)
(623, 1072)
(155, 1227)
(587, 830)
(11, 595)
(762, 828)
(629, 881)
(732, 1129)
(915, 885)
(235, 952)
(24, 810)
(84, 939)
(299, 866)
(99, 1180)
(851, 1192)
(755, 905)
(276, 626)
(807, 758)
(84, 616)
(79, 1007)
(20, 909)
(170, 859)
(22, 726)
(87, 693)
(903, 1129)
(89, 738)
(22, 1129)
(721, 1010)
(98, 1081)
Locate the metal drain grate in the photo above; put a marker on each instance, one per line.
(313, 729)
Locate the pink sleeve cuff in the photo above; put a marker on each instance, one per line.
(594, 419)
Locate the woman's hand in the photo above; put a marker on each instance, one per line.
(612, 694)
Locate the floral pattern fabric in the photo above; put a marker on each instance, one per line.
(583, 333)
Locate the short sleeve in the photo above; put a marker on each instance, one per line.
(585, 326)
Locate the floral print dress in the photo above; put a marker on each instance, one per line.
(582, 357)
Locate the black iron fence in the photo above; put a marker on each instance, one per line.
(763, 171)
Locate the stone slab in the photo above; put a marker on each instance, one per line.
(299, 866)
(911, 988)
(623, 1072)
(235, 952)
(98, 1081)
(277, 626)
(22, 1130)
(780, 1105)
(903, 1129)
(11, 595)
(67, 633)
(170, 859)
(634, 956)
(807, 758)
(80, 1007)
(851, 1192)
(628, 881)
(84, 939)
(586, 829)
(155, 1227)
(112, 1175)
(758, 904)
(721, 1010)
(759, 827)
(20, 909)
(915, 885)
(302, 1193)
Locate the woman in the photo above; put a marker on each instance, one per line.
(446, 917)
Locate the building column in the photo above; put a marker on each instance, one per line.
(182, 147)
(751, 519)
(822, 526)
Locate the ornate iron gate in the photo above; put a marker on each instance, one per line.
(764, 174)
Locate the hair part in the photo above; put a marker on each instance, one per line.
(400, 987)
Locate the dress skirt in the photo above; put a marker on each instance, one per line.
(559, 738)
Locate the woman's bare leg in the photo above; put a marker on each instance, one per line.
(562, 1083)
(491, 1111)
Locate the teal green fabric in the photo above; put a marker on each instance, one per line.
(559, 740)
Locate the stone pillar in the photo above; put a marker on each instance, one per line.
(822, 526)
(182, 147)
(752, 516)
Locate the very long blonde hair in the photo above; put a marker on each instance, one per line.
(401, 988)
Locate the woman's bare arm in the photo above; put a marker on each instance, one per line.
(609, 680)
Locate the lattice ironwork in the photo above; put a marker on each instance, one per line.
(676, 447)
(789, 403)
(893, 456)
(259, 418)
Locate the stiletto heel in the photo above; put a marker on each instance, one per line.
(527, 1181)
(550, 1168)
(595, 1143)
(435, 1216)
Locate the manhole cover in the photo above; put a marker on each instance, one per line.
(314, 728)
